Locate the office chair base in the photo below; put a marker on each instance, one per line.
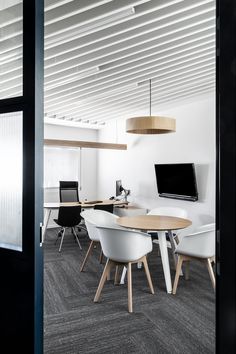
(76, 237)
(62, 237)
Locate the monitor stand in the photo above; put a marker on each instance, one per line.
(126, 192)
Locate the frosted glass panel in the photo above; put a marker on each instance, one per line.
(60, 164)
(11, 40)
(11, 161)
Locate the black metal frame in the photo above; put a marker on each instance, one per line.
(226, 177)
(21, 273)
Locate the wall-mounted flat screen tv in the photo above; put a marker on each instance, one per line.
(177, 181)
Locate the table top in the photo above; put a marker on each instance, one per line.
(84, 204)
(153, 222)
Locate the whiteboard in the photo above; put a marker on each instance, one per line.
(60, 164)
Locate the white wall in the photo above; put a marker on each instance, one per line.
(89, 161)
(194, 141)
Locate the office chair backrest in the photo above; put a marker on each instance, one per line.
(68, 191)
(124, 245)
(69, 216)
(107, 207)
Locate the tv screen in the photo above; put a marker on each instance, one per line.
(177, 181)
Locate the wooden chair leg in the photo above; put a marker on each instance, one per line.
(130, 299)
(87, 255)
(177, 274)
(109, 275)
(187, 263)
(116, 281)
(102, 280)
(177, 239)
(149, 279)
(101, 257)
(211, 273)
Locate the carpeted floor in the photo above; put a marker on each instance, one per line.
(161, 323)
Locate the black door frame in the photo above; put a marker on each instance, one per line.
(21, 273)
(226, 176)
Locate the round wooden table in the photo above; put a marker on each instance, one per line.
(161, 224)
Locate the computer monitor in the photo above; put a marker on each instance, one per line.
(118, 188)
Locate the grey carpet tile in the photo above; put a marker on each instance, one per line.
(161, 323)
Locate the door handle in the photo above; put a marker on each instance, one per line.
(41, 234)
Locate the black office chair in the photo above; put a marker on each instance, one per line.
(106, 207)
(68, 191)
(69, 216)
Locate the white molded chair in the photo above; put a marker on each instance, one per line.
(92, 219)
(193, 229)
(124, 247)
(206, 227)
(170, 211)
(197, 246)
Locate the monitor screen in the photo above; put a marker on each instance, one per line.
(118, 188)
(177, 181)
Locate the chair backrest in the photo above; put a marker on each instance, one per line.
(68, 191)
(95, 218)
(193, 229)
(124, 245)
(206, 227)
(169, 211)
(106, 207)
(199, 244)
(69, 216)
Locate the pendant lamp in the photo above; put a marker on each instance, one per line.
(150, 124)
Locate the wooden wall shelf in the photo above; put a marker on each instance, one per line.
(84, 144)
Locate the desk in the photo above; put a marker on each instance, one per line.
(129, 210)
(86, 204)
(160, 224)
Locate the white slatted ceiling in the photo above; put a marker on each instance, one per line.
(100, 54)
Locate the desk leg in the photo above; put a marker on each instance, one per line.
(122, 279)
(45, 222)
(165, 260)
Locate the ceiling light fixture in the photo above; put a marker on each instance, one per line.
(150, 124)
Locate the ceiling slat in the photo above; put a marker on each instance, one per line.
(99, 55)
